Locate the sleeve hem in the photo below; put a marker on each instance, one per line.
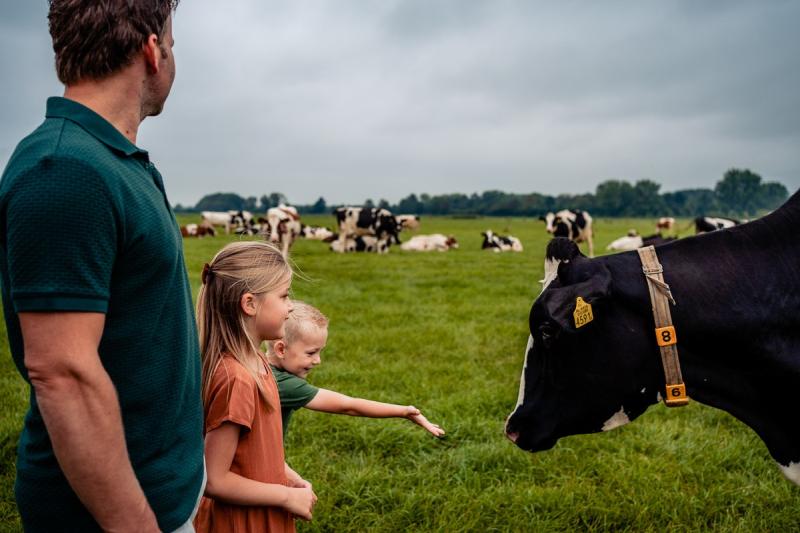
(60, 303)
(232, 419)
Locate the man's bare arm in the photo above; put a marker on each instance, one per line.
(81, 411)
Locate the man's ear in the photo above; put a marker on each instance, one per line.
(248, 304)
(152, 54)
(561, 301)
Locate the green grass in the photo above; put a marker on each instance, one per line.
(446, 332)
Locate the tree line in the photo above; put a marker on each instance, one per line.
(740, 193)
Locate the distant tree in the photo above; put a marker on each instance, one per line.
(273, 200)
(772, 195)
(264, 202)
(410, 204)
(368, 203)
(251, 203)
(220, 201)
(383, 204)
(647, 201)
(738, 192)
(319, 206)
(614, 198)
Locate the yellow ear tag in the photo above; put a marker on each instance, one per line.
(583, 313)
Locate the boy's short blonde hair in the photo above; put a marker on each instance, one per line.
(304, 317)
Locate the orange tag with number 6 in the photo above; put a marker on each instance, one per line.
(666, 336)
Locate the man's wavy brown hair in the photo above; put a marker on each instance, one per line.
(93, 39)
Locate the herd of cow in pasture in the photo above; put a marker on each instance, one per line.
(592, 361)
(369, 229)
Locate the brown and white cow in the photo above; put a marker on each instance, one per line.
(283, 226)
(574, 225)
(409, 222)
(665, 224)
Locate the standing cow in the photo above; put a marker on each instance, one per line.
(360, 221)
(736, 324)
(282, 226)
(574, 225)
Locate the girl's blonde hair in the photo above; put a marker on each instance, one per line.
(240, 267)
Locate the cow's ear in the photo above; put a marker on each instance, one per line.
(561, 302)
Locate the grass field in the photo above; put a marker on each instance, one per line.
(446, 332)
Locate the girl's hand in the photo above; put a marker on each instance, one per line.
(413, 414)
(301, 502)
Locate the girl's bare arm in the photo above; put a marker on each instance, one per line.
(224, 485)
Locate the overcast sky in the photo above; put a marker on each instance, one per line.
(375, 99)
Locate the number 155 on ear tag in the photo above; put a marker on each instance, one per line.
(583, 313)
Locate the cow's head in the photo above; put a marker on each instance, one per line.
(579, 375)
(548, 219)
(489, 240)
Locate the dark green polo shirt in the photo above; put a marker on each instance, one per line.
(294, 392)
(85, 226)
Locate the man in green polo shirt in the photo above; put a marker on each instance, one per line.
(99, 314)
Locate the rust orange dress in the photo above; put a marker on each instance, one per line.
(234, 398)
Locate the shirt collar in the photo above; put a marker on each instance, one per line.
(58, 107)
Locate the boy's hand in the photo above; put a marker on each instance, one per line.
(413, 414)
(301, 502)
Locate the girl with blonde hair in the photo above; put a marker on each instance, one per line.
(244, 301)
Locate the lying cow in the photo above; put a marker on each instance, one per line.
(198, 230)
(283, 226)
(500, 243)
(361, 221)
(574, 225)
(427, 243)
(359, 243)
(316, 233)
(633, 240)
(706, 224)
(409, 222)
(736, 322)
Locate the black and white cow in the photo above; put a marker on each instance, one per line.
(737, 324)
(316, 233)
(359, 243)
(706, 224)
(500, 243)
(574, 225)
(380, 223)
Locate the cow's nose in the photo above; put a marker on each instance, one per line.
(513, 436)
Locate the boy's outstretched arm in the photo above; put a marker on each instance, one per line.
(329, 401)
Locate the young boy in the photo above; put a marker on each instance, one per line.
(294, 356)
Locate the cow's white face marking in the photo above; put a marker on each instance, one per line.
(521, 395)
(617, 419)
(550, 271)
(792, 472)
(548, 220)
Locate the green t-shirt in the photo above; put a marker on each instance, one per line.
(85, 225)
(295, 393)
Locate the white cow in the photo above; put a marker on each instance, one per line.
(427, 243)
(227, 219)
(631, 241)
(284, 226)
